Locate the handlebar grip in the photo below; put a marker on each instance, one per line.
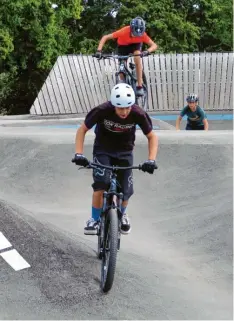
(98, 57)
(155, 166)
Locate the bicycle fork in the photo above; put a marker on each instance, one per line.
(115, 203)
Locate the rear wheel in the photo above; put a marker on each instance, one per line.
(110, 247)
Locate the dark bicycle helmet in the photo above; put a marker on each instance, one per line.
(137, 26)
(191, 98)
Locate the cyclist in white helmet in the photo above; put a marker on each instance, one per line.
(116, 122)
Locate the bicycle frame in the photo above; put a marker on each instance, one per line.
(109, 232)
(123, 63)
(124, 70)
(110, 195)
(130, 76)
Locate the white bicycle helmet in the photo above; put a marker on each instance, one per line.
(122, 95)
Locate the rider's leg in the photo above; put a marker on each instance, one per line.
(101, 179)
(124, 206)
(91, 224)
(125, 179)
(97, 199)
(137, 60)
(97, 203)
(127, 191)
(122, 76)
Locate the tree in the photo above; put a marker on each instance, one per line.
(164, 24)
(176, 25)
(213, 18)
(33, 33)
(96, 20)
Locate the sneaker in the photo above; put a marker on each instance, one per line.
(91, 227)
(125, 225)
(140, 91)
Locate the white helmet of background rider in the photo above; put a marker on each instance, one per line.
(122, 95)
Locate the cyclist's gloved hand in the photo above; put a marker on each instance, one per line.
(81, 160)
(145, 53)
(98, 54)
(148, 166)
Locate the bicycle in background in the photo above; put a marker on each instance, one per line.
(128, 72)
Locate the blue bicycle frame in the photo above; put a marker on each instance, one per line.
(109, 197)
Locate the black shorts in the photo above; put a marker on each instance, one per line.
(126, 50)
(101, 177)
(190, 126)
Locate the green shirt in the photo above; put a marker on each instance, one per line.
(195, 117)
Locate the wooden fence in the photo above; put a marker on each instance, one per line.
(77, 83)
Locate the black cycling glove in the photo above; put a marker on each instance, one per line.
(149, 166)
(81, 160)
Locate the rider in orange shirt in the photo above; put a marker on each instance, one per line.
(129, 40)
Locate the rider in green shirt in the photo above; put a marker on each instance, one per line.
(196, 117)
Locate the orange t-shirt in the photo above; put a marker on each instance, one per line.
(124, 37)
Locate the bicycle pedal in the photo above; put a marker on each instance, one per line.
(90, 232)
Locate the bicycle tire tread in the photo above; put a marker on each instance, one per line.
(113, 250)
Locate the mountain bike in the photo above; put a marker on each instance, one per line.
(129, 75)
(109, 224)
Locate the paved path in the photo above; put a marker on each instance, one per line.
(176, 263)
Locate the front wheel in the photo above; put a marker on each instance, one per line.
(142, 101)
(100, 244)
(110, 248)
(118, 79)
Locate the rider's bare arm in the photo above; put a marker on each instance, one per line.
(178, 120)
(80, 136)
(153, 46)
(206, 125)
(152, 145)
(103, 41)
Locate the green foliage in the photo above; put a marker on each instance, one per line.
(33, 34)
(213, 18)
(175, 25)
(165, 25)
(6, 44)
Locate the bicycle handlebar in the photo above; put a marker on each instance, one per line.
(106, 56)
(96, 165)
